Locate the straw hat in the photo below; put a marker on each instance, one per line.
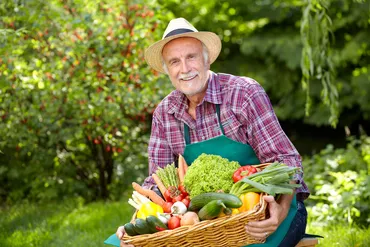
(181, 28)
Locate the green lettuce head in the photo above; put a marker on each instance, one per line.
(209, 173)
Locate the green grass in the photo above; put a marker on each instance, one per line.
(341, 235)
(64, 224)
(73, 224)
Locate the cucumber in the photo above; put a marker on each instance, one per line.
(155, 224)
(227, 211)
(141, 227)
(130, 229)
(211, 210)
(230, 200)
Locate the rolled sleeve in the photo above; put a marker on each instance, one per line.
(159, 152)
(266, 136)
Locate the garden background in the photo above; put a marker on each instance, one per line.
(76, 98)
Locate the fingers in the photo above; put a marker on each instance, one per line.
(120, 232)
(125, 245)
(260, 234)
(269, 199)
(273, 206)
(259, 229)
(262, 229)
(274, 209)
(270, 223)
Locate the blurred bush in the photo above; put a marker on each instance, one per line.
(339, 182)
(76, 97)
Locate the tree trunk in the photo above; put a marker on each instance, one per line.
(100, 165)
(104, 193)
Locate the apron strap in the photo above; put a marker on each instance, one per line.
(187, 132)
(219, 118)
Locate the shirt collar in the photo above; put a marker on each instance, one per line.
(178, 102)
(213, 93)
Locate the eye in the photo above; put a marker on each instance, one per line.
(173, 62)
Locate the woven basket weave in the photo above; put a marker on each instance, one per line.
(224, 231)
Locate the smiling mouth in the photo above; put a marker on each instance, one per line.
(188, 78)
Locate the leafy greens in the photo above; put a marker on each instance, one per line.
(209, 173)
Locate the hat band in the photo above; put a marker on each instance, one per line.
(178, 31)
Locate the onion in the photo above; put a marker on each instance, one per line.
(189, 218)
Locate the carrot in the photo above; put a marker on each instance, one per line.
(185, 166)
(159, 183)
(181, 169)
(149, 193)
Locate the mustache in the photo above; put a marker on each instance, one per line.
(187, 75)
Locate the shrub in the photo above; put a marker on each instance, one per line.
(339, 181)
(76, 97)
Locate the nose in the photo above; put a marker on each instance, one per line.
(185, 68)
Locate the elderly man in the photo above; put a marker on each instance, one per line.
(220, 114)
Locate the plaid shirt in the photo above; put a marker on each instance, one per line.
(247, 116)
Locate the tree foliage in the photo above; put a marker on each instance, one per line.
(316, 59)
(263, 40)
(76, 96)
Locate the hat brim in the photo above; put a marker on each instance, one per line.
(153, 55)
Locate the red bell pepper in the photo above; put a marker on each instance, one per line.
(243, 172)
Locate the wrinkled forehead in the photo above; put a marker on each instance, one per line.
(180, 42)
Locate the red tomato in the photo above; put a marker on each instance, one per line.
(183, 190)
(174, 222)
(186, 201)
(177, 198)
(167, 196)
(167, 207)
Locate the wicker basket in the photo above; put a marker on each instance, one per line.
(224, 231)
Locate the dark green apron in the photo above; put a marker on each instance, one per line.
(242, 153)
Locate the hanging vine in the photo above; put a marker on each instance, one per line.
(316, 63)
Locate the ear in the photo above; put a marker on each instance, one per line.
(208, 65)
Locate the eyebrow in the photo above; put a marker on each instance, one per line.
(190, 54)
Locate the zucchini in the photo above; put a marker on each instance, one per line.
(230, 200)
(155, 224)
(141, 227)
(130, 229)
(211, 210)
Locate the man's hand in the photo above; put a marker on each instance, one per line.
(120, 233)
(278, 212)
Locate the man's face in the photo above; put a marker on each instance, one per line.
(187, 69)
